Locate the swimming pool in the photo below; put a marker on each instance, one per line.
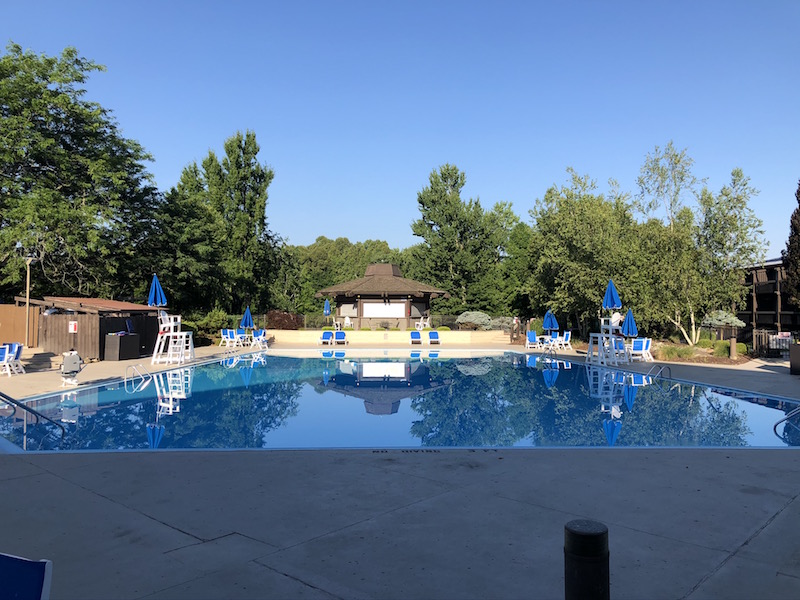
(422, 400)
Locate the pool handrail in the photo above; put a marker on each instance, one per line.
(16, 403)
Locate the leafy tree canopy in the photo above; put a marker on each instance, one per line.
(73, 191)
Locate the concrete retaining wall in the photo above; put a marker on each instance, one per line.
(310, 337)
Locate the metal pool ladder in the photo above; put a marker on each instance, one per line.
(790, 415)
(137, 378)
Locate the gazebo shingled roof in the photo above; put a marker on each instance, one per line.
(382, 280)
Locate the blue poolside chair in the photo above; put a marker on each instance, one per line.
(533, 341)
(339, 337)
(564, 341)
(228, 338)
(25, 578)
(260, 339)
(433, 337)
(416, 338)
(640, 349)
(326, 338)
(11, 362)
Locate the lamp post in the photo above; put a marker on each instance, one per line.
(29, 260)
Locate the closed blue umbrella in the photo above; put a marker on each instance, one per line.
(550, 376)
(549, 322)
(611, 428)
(247, 319)
(157, 296)
(611, 300)
(154, 434)
(326, 308)
(629, 328)
(247, 374)
(629, 395)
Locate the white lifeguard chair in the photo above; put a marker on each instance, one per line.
(172, 344)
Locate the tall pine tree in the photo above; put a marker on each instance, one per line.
(791, 255)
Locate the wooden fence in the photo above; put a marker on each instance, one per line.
(56, 337)
(12, 324)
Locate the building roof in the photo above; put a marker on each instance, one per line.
(382, 280)
(92, 305)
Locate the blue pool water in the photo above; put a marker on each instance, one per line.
(422, 401)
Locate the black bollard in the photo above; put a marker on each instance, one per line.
(586, 561)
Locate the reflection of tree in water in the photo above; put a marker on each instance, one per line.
(494, 409)
(235, 416)
(507, 405)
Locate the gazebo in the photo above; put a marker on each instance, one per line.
(383, 298)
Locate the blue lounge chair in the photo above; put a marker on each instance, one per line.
(416, 338)
(433, 337)
(339, 337)
(326, 338)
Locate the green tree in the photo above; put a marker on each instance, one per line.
(189, 246)
(791, 254)
(72, 189)
(463, 246)
(237, 192)
(580, 240)
(730, 238)
(665, 180)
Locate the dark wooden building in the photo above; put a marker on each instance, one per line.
(382, 298)
(86, 324)
(768, 305)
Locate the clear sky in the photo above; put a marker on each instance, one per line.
(355, 103)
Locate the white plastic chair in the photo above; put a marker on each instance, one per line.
(260, 339)
(533, 341)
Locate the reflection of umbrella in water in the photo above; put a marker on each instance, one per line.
(612, 429)
(550, 323)
(157, 296)
(629, 328)
(154, 434)
(549, 375)
(629, 395)
(611, 299)
(247, 319)
(326, 376)
(247, 374)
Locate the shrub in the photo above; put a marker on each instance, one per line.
(473, 319)
(443, 328)
(503, 323)
(281, 319)
(671, 352)
(704, 343)
(723, 348)
(213, 322)
(536, 325)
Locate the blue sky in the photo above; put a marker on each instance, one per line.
(355, 103)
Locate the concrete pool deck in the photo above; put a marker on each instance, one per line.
(717, 523)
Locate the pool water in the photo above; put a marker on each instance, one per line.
(426, 400)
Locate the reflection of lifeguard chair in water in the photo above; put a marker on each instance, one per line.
(172, 387)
